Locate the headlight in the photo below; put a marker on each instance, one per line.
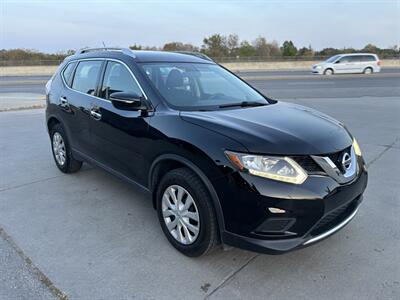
(318, 67)
(356, 147)
(272, 167)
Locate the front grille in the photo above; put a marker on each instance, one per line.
(335, 157)
(308, 164)
(311, 167)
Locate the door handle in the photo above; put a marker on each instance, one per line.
(94, 112)
(64, 102)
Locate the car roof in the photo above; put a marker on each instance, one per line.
(153, 56)
(143, 55)
(345, 54)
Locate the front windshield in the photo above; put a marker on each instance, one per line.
(333, 58)
(197, 86)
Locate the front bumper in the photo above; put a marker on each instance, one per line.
(317, 70)
(313, 211)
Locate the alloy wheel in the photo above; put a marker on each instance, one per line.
(59, 150)
(180, 214)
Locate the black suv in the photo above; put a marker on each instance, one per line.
(221, 161)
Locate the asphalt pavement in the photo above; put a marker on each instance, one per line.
(91, 236)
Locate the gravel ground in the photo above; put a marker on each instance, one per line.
(19, 278)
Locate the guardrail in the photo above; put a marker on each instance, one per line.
(284, 58)
(12, 63)
(6, 63)
(269, 58)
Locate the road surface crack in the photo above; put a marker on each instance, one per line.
(231, 275)
(387, 148)
(36, 181)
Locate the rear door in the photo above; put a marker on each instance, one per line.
(119, 136)
(358, 63)
(81, 79)
(343, 65)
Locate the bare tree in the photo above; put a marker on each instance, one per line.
(261, 46)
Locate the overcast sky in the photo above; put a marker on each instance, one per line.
(60, 25)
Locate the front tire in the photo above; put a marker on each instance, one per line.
(61, 149)
(186, 213)
(328, 72)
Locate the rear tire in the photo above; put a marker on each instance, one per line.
(182, 198)
(328, 72)
(368, 70)
(61, 149)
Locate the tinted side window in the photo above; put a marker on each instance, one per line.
(368, 58)
(86, 74)
(355, 58)
(67, 73)
(117, 78)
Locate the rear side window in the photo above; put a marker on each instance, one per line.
(67, 73)
(355, 58)
(86, 75)
(117, 78)
(368, 58)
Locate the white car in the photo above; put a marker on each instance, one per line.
(366, 63)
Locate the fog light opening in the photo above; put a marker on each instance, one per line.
(275, 210)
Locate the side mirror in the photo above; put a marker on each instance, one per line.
(126, 100)
(337, 62)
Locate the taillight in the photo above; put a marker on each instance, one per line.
(379, 62)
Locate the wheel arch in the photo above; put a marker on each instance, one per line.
(167, 162)
(368, 67)
(51, 121)
(55, 118)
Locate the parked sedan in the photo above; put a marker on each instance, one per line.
(366, 63)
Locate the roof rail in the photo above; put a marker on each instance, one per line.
(197, 54)
(126, 51)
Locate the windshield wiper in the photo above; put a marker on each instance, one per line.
(243, 104)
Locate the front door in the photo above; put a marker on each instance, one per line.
(119, 136)
(343, 65)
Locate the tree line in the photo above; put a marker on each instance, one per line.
(218, 47)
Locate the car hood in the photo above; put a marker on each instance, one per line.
(280, 128)
(320, 64)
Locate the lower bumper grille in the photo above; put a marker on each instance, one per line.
(334, 217)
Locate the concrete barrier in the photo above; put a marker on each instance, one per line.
(290, 65)
(28, 70)
(236, 66)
